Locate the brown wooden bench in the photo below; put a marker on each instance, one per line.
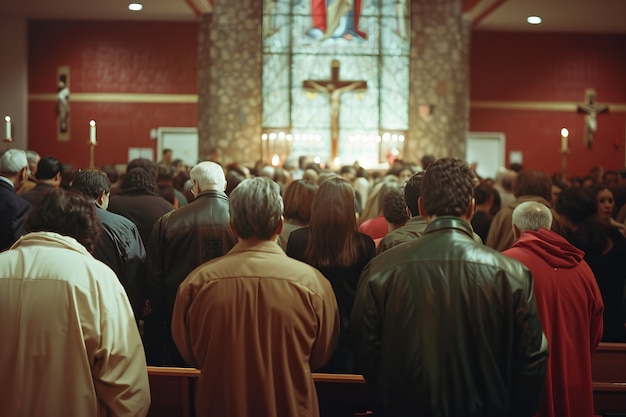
(338, 394)
(608, 369)
(171, 389)
(348, 395)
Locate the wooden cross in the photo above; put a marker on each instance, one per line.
(334, 88)
(591, 110)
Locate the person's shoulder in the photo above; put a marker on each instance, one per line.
(17, 202)
(299, 235)
(499, 262)
(115, 221)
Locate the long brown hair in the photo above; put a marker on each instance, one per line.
(332, 225)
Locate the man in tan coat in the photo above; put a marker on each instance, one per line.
(256, 322)
(530, 185)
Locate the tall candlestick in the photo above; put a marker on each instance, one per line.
(92, 132)
(8, 124)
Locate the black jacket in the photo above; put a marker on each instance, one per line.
(37, 194)
(445, 326)
(13, 211)
(181, 241)
(121, 248)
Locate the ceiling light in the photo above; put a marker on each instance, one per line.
(135, 7)
(533, 20)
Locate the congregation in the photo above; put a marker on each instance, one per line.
(453, 295)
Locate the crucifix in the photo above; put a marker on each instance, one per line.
(334, 88)
(592, 110)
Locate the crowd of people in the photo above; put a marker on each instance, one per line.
(445, 290)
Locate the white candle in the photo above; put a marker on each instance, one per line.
(564, 136)
(92, 132)
(8, 120)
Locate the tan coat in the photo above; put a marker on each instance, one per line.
(500, 235)
(256, 323)
(70, 345)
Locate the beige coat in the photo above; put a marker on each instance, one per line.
(70, 346)
(500, 235)
(256, 323)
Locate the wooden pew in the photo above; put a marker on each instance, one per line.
(171, 391)
(338, 394)
(608, 369)
(346, 395)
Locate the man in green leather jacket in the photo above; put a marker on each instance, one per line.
(445, 326)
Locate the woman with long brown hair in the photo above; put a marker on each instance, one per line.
(298, 199)
(333, 245)
(605, 252)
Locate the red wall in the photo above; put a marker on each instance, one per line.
(155, 57)
(522, 67)
(110, 57)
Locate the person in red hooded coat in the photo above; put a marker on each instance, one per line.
(570, 308)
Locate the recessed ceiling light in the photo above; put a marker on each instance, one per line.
(533, 20)
(135, 7)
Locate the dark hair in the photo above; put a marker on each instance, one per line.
(111, 173)
(91, 182)
(68, 214)
(48, 168)
(346, 169)
(69, 172)
(579, 205)
(412, 193)
(144, 163)
(298, 198)
(139, 180)
(483, 192)
(533, 182)
(600, 186)
(167, 192)
(180, 179)
(165, 173)
(234, 177)
(427, 160)
(333, 225)
(447, 187)
(394, 206)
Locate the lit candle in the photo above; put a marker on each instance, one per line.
(8, 120)
(92, 132)
(564, 136)
(275, 160)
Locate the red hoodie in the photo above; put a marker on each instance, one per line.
(570, 307)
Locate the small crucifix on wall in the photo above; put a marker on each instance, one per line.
(591, 110)
(334, 88)
(63, 103)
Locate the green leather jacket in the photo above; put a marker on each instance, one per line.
(445, 326)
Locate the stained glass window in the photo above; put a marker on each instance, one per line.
(369, 40)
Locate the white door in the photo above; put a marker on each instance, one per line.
(183, 141)
(486, 150)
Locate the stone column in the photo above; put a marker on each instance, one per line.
(229, 81)
(439, 86)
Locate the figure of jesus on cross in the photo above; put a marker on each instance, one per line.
(592, 110)
(334, 88)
